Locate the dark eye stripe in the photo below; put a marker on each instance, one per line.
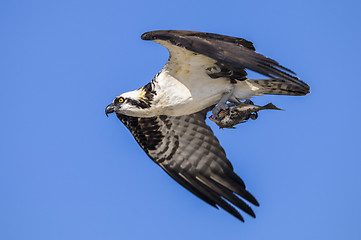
(138, 103)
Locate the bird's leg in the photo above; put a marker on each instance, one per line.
(235, 101)
(222, 104)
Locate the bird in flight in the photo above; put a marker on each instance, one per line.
(205, 71)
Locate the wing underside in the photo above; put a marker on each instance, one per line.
(187, 150)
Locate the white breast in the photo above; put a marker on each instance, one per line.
(183, 86)
(194, 93)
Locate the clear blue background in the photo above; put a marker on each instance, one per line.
(68, 172)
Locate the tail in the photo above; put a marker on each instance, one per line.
(280, 87)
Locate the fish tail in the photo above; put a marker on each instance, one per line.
(271, 106)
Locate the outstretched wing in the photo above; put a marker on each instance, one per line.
(186, 148)
(221, 56)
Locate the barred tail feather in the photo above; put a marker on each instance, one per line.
(280, 87)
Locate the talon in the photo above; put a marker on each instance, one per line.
(249, 101)
(217, 109)
(222, 104)
(254, 116)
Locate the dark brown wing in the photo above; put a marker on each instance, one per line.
(186, 148)
(230, 52)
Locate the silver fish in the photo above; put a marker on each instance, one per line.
(236, 114)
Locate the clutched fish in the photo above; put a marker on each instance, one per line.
(236, 114)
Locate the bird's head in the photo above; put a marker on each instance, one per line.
(131, 103)
(118, 105)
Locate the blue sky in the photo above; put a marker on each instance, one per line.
(68, 172)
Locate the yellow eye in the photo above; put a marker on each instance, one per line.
(121, 100)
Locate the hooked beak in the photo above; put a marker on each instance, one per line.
(109, 109)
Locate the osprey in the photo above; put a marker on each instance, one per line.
(167, 115)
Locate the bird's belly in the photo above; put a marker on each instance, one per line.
(182, 100)
(186, 107)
